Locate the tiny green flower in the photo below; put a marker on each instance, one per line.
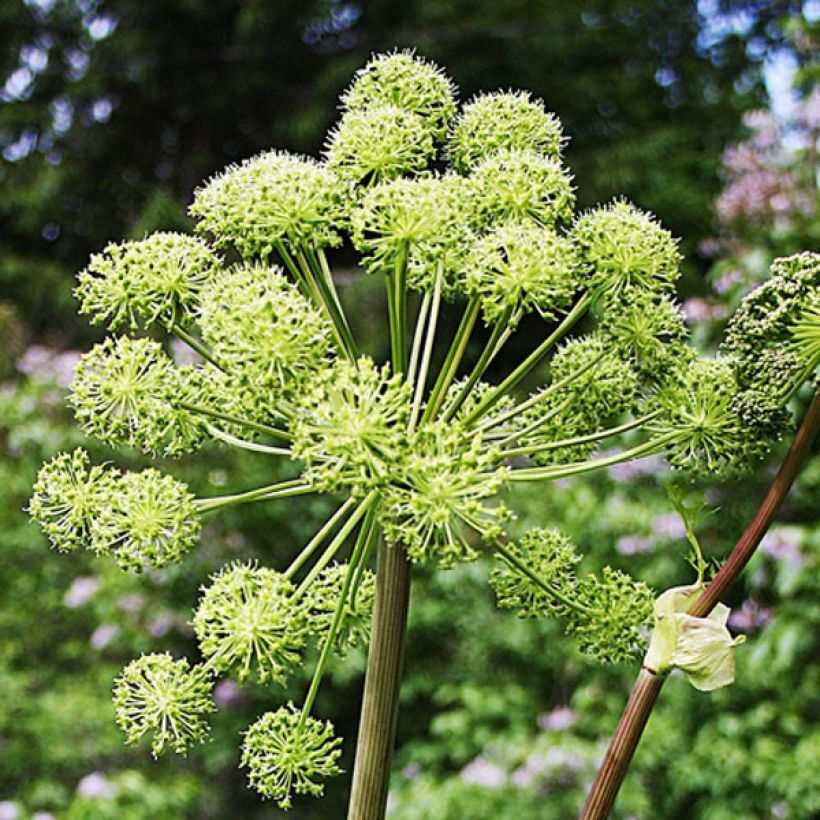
(273, 197)
(150, 280)
(519, 267)
(606, 615)
(775, 333)
(249, 622)
(447, 480)
(700, 424)
(424, 219)
(348, 427)
(321, 600)
(149, 521)
(406, 81)
(549, 556)
(375, 144)
(285, 753)
(165, 697)
(262, 330)
(499, 121)
(622, 246)
(702, 648)
(68, 496)
(520, 185)
(648, 329)
(126, 391)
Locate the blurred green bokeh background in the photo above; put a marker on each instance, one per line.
(112, 111)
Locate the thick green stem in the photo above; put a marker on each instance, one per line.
(251, 425)
(622, 747)
(380, 704)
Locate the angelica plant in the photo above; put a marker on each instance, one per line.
(468, 212)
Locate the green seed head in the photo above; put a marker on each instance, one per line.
(502, 121)
(152, 280)
(166, 698)
(286, 754)
(408, 82)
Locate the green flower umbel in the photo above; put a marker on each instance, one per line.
(408, 82)
(285, 753)
(166, 698)
(249, 622)
(155, 279)
(500, 121)
(68, 498)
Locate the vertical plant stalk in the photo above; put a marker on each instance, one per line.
(380, 704)
(645, 692)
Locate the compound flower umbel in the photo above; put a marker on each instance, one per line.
(471, 213)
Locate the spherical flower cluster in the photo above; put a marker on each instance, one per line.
(348, 427)
(150, 521)
(322, 599)
(68, 496)
(128, 391)
(142, 519)
(286, 753)
(501, 121)
(520, 267)
(420, 222)
(622, 246)
(379, 143)
(165, 697)
(521, 185)
(249, 623)
(156, 279)
(446, 484)
(263, 330)
(606, 615)
(699, 422)
(544, 558)
(649, 331)
(271, 198)
(408, 82)
(775, 333)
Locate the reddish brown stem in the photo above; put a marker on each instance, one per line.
(645, 692)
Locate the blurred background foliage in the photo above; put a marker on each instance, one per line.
(111, 111)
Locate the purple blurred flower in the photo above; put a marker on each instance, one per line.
(651, 465)
(9, 810)
(750, 616)
(103, 635)
(81, 591)
(698, 309)
(411, 771)
(783, 545)
(96, 785)
(227, 694)
(44, 363)
(558, 719)
(133, 602)
(483, 772)
(668, 525)
(161, 624)
(633, 544)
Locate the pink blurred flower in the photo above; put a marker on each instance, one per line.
(482, 772)
(558, 719)
(96, 785)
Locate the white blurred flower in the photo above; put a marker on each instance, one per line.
(96, 785)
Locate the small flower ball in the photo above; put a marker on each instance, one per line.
(249, 623)
(270, 198)
(520, 185)
(166, 698)
(378, 143)
(286, 752)
(622, 246)
(68, 497)
(148, 281)
(502, 121)
(150, 521)
(408, 82)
